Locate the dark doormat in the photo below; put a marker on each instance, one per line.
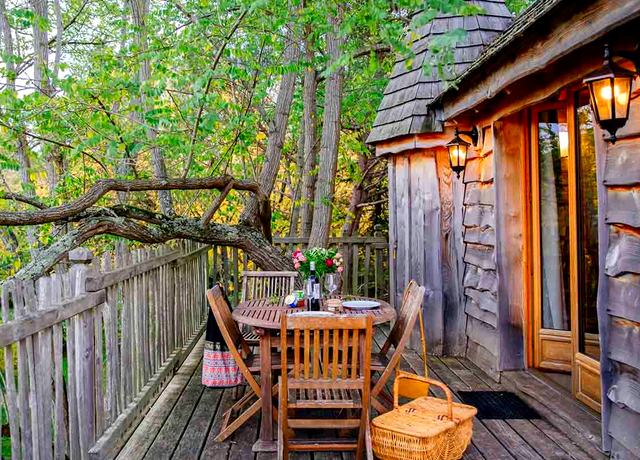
(498, 405)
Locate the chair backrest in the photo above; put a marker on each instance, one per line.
(231, 332)
(402, 329)
(260, 284)
(409, 309)
(332, 352)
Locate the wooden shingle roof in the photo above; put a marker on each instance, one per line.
(405, 106)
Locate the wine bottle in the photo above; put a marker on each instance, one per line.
(313, 279)
(315, 299)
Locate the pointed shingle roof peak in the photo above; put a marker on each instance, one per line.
(405, 105)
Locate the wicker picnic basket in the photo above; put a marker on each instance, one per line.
(426, 428)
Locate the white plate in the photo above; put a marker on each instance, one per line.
(311, 313)
(360, 304)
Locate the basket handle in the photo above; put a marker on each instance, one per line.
(406, 375)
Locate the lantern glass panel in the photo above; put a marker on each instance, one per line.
(622, 92)
(601, 94)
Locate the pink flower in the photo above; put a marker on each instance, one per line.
(340, 269)
(296, 265)
(302, 258)
(337, 256)
(329, 262)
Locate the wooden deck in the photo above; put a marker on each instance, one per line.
(186, 417)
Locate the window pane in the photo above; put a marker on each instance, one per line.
(553, 157)
(587, 228)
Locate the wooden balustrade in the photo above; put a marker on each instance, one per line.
(88, 349)
(366, 265)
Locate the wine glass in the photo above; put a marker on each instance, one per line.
(331, 282)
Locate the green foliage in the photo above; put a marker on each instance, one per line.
(102, 119)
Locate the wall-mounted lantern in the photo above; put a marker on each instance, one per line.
(458, 149)
(610, 91)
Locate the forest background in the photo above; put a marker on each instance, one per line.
(221, 121)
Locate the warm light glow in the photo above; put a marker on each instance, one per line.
(621, 96)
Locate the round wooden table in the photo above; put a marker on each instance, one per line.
(264, 316)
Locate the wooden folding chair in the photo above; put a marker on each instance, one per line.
(247, 361)
(410, 310)
(331, 371)
(261, 284)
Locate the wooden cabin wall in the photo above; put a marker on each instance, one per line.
(452, 247)
(416, 219)
(619, 287)
(510, 147)
(480, 279)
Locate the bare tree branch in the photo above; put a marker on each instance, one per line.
(103, 186)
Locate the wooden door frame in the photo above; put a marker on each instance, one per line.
(580, 362)
(538, 332)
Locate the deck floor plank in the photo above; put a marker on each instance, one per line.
(549, 442)
(528, 432)
(146, 432)
(185, 419)
(195, 435)
(169, 436)
(213, 450)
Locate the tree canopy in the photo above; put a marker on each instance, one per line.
(194, 112)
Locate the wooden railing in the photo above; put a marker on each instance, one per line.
(88, 349)
(366, 269)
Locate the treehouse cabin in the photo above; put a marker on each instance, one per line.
(532, 254)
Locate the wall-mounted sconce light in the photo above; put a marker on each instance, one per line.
(458, 149)
(610, 91)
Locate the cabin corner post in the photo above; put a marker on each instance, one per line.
(509, 156)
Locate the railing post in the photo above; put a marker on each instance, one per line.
(82, 346)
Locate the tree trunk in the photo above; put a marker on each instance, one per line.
(21, 145)
(359, 195)
(277, 129)
(40, 45)
(325, 185)
(139, 10)
(310, 126)
(294, 219)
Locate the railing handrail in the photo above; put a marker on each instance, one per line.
(33, 322)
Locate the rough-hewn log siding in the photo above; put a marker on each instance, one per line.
(480, 280)
(619, 300)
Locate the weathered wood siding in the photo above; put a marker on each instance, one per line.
(480, 280)
(619, 290)
(509, 155)
(418, 249)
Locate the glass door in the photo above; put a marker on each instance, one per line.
(565, 245)
(550, 168)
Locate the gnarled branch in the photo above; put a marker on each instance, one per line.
(104, 186)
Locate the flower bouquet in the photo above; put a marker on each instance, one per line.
(327, 261)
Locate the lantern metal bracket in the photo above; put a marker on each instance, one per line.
(630, 55)
(472, 133)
